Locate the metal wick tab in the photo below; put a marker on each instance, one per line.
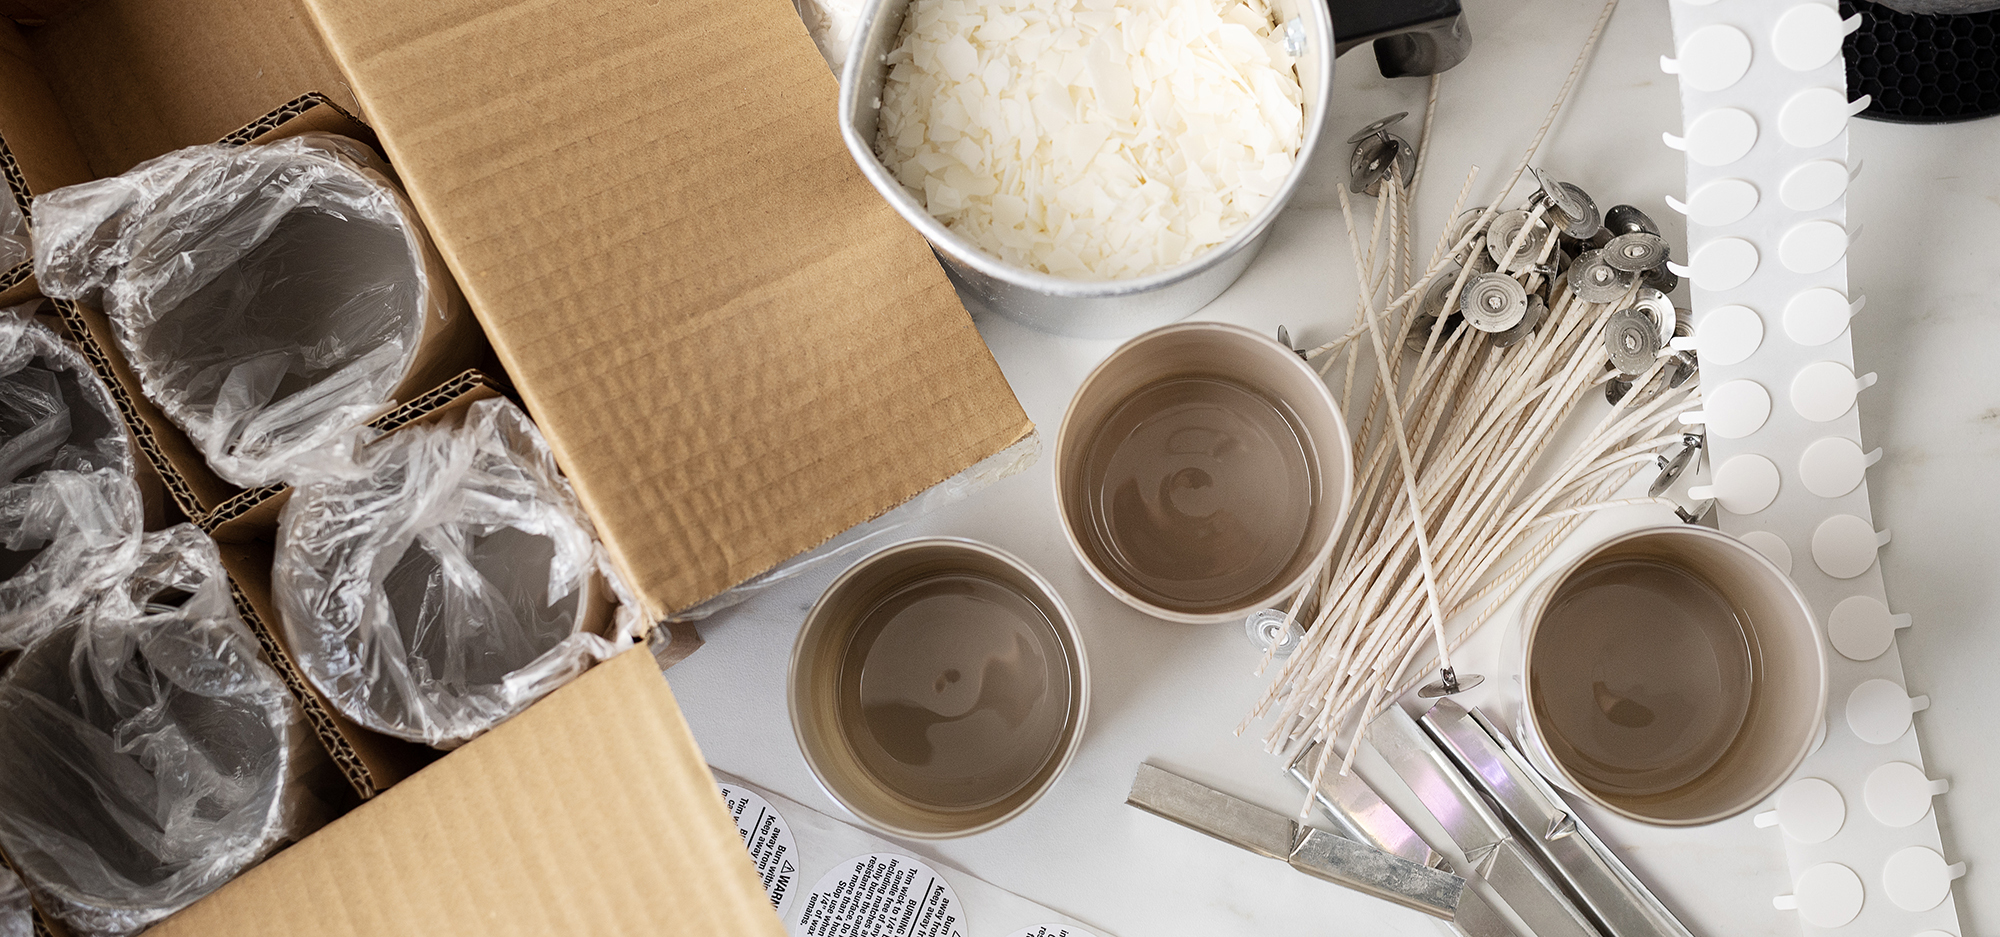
(1449, 683)
(1376, 150)
(1671, 469)
(1266, 628)
(1285, 339)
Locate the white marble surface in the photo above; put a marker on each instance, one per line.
(1929, 202)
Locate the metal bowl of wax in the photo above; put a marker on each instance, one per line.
(1096, 308)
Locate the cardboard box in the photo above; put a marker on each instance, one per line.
(735, 348)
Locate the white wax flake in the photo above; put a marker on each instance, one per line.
(1092, 139)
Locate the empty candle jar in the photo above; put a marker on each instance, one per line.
(938, 688)
(267, 297)
(1202, 472)
(147, 752)
(443, 583)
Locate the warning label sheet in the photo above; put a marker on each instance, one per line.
(882, 895)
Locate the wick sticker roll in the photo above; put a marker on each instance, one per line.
(769, 839)
(882, 895)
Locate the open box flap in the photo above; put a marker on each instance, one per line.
(734, 346)
(590, 813)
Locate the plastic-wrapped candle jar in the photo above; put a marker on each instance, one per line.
(443, 583)
(269, 298)
(69, 513)
(148, 753)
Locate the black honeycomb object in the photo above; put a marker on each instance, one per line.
(1923, 69)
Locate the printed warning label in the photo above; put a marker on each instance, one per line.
(769, 840)
(882, 895)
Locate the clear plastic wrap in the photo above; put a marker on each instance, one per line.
(13, 249)
(269, 297)
(65, 537)
(69, 513)
(146, 748)
(55, 412)
(17, 913)
(448, 584)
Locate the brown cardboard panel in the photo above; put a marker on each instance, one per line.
(138, 78)
(32, 11)
(37, 150)
(591, 813)
(41, 152)
(659, 192)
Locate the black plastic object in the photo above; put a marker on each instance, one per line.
(1923, 69)
(1411, 37)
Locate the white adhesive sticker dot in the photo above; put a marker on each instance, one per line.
(1734, 410)
(1898, 794)
(1812, 246)
(1813, 185)
(1824, 391)
(1724, 263)
(1826, 895)
(1879, 711)
(1052, 930)
(1745, 484)
(1772, 547)
(1832, 466)
(1817, 316)
(1714, 57)
(1810, 810)
(1729, 334)
(1722, 202)
(769, 839)
(1813, 117)
(1917, 878)
(1862, 628)
(882, 893)
(1807, 36)
(1721, 136)
(1844, 546)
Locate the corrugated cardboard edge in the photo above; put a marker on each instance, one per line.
(319, 717)
(592, 812)
(283, 116)
(463, 390)
(114, 375)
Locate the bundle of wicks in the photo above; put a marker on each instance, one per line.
(1444, 522)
